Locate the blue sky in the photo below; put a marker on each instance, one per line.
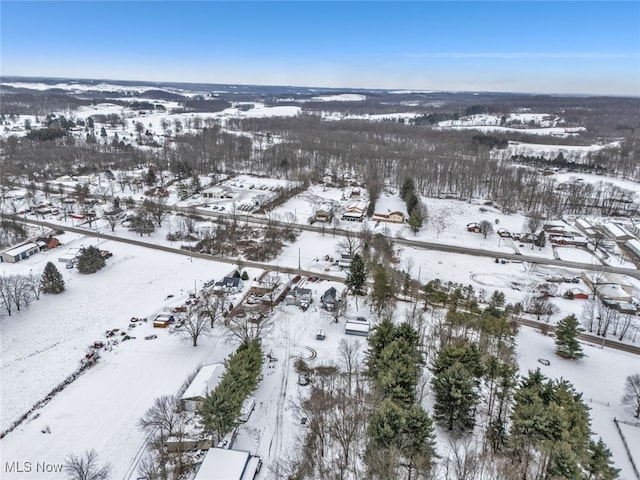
(543, 46)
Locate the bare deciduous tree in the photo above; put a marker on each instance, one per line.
(162, 416)
(86, 467)
(631, 397)
(245, 328)
(194, 324)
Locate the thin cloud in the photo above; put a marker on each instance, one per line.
(528, 55)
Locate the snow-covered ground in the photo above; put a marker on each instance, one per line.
(600, 376)
(100, 409)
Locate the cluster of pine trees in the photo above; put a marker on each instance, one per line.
(401, 436)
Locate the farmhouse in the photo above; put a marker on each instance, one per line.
(390, 208)
(21, 252)
(205, 382)
(224, 464)
(355, 211)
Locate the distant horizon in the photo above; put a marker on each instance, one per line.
(551, 47)
(309, 87)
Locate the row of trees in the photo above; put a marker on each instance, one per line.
(222, 407)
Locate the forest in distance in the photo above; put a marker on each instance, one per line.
(434, 391)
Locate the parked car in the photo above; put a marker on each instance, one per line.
(150, 337)
(544, 361)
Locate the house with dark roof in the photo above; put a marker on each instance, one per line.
(329, 299)
(230, 284)
(299, 296)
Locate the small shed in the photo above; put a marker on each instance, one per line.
(163, 320)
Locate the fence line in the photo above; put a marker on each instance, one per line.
(626, 446)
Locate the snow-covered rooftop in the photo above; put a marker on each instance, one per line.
(205, 381)
(221, 464)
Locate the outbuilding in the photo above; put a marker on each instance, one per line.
(205, 382)
(224, 464)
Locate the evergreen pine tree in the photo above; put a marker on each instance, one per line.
(357, 275)
(51, 281)
(599, 465)
(90, 260)
(567, 345)
(456, 397)
(415, 220)
(383, 291)
(196, 186)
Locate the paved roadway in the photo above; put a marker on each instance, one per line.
(413, 243)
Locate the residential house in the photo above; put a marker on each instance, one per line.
(355, 193)
(330, 299)
(205, 382)
(558, 228)
(49, 242)
(390, 208)
(229, 284)
(355, 212)
(324, 213)
(474, 227)
(299, 296)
